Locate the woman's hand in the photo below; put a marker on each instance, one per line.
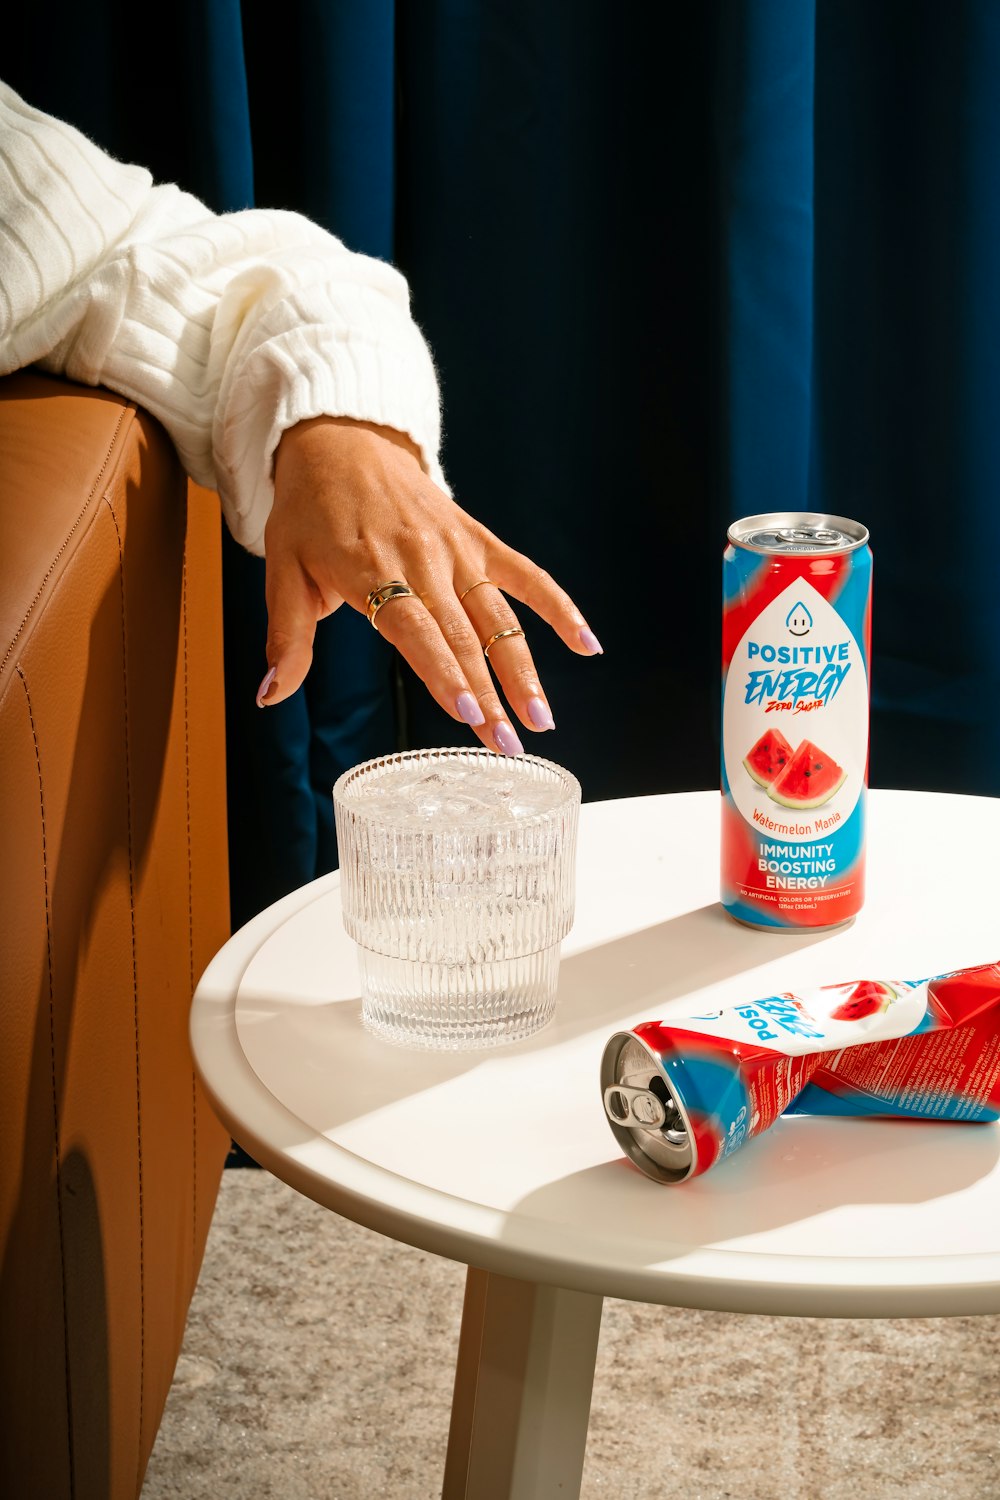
(353, 509)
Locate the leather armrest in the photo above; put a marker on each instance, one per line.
(114, 892)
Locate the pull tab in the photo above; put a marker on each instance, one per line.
(821, 536)
(629, 1106)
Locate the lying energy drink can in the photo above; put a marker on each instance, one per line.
(682, 1097)
(796, 632)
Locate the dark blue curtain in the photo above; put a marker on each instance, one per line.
(677, 264)
(908, 364)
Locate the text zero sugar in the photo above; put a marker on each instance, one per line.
(796, 641)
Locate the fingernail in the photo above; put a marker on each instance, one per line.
(262, 690)
(506, 740)
(469, 710)
(538, 713)
(589, 640)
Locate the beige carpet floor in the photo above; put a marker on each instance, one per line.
(319, 1360)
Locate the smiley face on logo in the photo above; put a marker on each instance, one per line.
(799, 620)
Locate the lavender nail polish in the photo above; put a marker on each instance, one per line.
(589, 640)
(539, 714)
(506, 740)
(262, 690)
(468, 710)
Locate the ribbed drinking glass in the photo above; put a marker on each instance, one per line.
(458, 881)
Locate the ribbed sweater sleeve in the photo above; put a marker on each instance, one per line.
(229, 328)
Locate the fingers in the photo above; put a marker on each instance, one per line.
(509, 656)
(459, 631)
(525, 580)
(444, 635)
(441, 646)
(452, 666)
(293, 607)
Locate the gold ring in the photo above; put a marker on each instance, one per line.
(394, 589)
(477, 585)
(515, 630)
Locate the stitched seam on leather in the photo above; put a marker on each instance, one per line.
(125, 411)
(190, 873)
(55, 1096)
(135, 994)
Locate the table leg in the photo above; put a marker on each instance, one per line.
(523, 1384)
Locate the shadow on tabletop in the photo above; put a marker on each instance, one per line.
(803, 1167)
(656, 967)
(599, 990)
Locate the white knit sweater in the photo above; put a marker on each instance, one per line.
(229, 328)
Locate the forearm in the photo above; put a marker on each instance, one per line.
(231, 329)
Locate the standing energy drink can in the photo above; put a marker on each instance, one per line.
(681, 1097)
(796, 641)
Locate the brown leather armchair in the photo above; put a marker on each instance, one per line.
(114, 896)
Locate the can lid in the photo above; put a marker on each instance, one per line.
(798, 531)
(647, 1118)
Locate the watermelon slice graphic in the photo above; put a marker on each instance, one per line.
(810, 778)
(865, 999)
(770, 755)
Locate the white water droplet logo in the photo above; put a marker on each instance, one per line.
(799, 620)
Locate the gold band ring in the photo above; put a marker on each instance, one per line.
(394, 589)
(477, 585)
(515, 630)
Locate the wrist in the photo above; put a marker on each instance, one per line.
(352, 428)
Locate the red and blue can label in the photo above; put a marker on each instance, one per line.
(796, 632)
(682, 1097)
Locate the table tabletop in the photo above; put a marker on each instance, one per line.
(503, 1159)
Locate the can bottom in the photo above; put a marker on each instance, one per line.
(792, 926)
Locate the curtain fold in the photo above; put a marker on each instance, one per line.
(908, 364)
(764, 112)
